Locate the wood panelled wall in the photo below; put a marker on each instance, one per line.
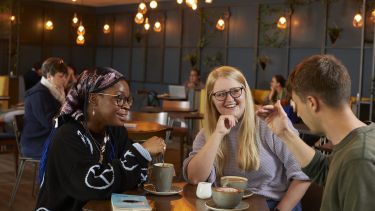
(157, 59)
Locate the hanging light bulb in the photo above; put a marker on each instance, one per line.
(220, 25)
(142, 8)
(139, 18)
(373, 16)
(357, 20)
(12, 18)
(190, 3)
(157, 26)
(48, 25)
(75, 20)
(281, 24)
(153, 4)
(147, 25)
(106, 29)
(194, 6)
(81, 29)
(74, 0)
(180, 1)
(80, 40)
(208, 1)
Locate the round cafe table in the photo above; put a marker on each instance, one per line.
(186, 201)
(142, 130)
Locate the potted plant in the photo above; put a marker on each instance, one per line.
(138, 35)
(214, 60)
(263, 61)
(192, 58)
(334, 33)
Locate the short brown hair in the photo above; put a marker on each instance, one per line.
(54, 65)
(323, 76)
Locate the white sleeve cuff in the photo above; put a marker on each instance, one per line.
(143, 151)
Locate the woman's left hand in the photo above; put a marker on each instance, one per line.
(155, 145)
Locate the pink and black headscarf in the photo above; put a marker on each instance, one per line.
(90, 81)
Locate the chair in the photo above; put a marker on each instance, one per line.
(177, 110)
(4, 92)
(161, 117)
(18, 126)
(312, 199)
(176, 106)
(8, 146)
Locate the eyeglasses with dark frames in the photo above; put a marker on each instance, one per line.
(235, 92)
(120, 99)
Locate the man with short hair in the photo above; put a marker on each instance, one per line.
(320, 87)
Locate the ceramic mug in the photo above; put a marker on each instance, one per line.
(227, 197)
(204, 190)
(162, 176)
(234, 182)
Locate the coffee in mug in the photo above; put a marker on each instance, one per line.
(226, 197)
(162, 174)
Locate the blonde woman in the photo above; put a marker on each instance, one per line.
(234, 141)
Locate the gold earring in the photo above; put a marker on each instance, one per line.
(93, 111)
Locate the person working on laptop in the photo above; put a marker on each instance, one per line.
(194, 81)
(320, 87)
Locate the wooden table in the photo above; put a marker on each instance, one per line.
(167, 97)
(145, 130)
(185, 201)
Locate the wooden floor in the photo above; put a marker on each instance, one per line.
(24, 200)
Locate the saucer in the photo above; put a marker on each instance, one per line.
(247, 194)
(151, 189)
(241, 206)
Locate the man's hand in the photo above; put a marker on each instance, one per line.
(275, 117)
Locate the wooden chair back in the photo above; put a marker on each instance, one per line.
(160, 117)
(18, 127)
(176, 105)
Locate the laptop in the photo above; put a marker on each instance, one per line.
(177, 92)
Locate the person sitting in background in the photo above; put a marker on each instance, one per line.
(70, 79)
(32, 76)
(42, 103)
(278, 91)
(194, 81)
(88, 155)
(234, 141)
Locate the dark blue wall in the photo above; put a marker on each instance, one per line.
(158, 58)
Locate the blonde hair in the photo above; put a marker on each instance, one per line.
(248, 153)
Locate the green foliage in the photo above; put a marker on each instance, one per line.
(192, 58)
(303, 2)
(213, 61)
(269, 34)
(204, 41)
(5, 5)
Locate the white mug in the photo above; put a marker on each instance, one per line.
(204, 190)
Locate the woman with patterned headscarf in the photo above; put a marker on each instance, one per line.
(88, 155)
